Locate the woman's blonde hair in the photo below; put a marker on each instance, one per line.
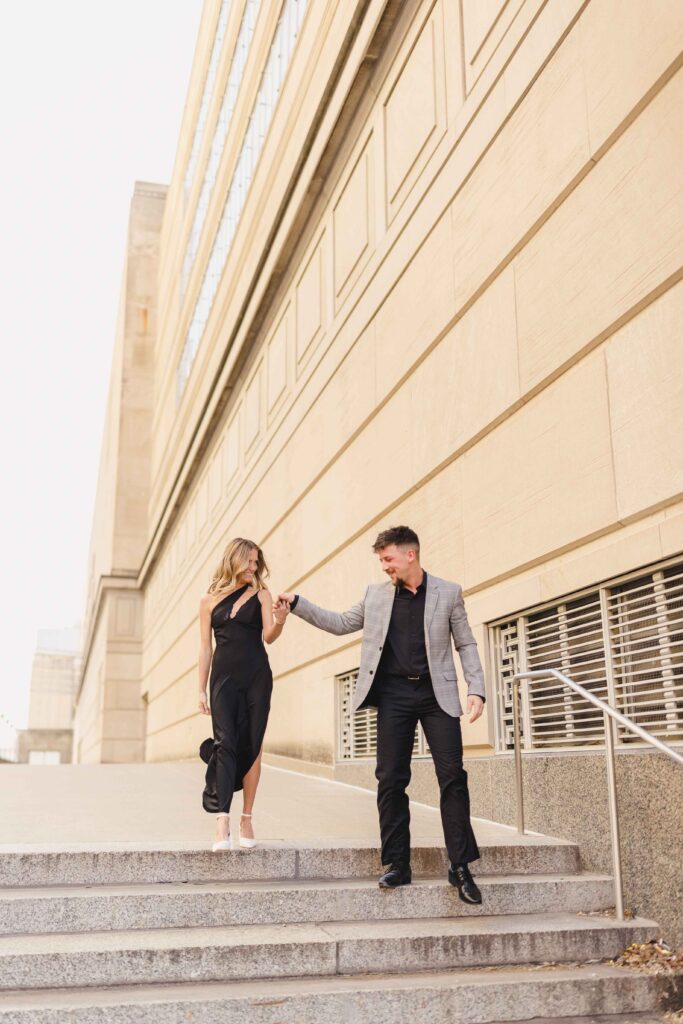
(234, 561)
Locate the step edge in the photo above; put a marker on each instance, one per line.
(478, 978)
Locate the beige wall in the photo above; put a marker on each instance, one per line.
(462, 318)
(54, 681)
(109, 723)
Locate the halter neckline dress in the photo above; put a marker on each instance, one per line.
(240, 688)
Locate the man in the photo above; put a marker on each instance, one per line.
(408, 673)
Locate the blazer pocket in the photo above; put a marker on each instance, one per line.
(450, 676)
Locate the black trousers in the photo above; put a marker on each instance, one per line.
(401, 704)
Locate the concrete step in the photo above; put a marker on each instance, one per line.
(299, 950)
(136, 863)
(467, 996)
(194, 905)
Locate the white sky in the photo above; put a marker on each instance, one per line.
(91, 98)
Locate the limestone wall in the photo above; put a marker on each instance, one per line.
(470, 330)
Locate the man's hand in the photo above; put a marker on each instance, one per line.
(475, 706)
(283, 600)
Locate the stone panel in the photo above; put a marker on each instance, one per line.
(310, 304)
(278, 360)
(232, 447)
(125, 618)
(215, 483)
(202, 512)
(617, 237)
(625, 51)
(645, 378)
(353, 222)
(478, 359)
(252, 409)
(415, 111)
(543, 479)
(418, 308)
(485, 24)
(533, 159)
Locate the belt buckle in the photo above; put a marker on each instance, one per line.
(414, 678)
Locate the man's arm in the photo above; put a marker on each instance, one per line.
(332, 622)
(466, 647)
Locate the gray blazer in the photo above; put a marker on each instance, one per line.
(445, 616)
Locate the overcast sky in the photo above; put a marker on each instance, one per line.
(91, 97)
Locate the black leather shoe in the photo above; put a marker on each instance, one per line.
(460, 876)
(398, 874)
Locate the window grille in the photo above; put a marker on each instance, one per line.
(357, 738)
(272, 78)
(622, 641)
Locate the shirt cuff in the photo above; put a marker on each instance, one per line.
(293, 604)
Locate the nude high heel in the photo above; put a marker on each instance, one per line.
(247, 844)
(222, 844)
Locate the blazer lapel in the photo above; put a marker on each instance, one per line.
(431, 600)
(386, 608)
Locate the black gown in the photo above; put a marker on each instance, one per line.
(240, 688)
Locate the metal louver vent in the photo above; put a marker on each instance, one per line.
(622, 641)
(357, 737)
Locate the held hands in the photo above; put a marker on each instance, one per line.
(203, 706)
(475, 706)
(281, 608)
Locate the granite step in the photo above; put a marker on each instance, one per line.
(196, 904)
(142, 863)
(300, 950)
(465, 996)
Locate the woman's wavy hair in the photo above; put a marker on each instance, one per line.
(234, 561)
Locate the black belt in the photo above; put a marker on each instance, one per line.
(412, 679)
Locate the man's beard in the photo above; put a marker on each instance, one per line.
(398, 582)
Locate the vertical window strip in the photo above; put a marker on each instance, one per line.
(272, 78)
(230, 94)
(207, 94)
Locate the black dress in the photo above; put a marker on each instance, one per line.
(240, 687)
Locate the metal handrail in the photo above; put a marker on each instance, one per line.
(610, 716)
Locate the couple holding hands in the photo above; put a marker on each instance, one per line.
(407, 672)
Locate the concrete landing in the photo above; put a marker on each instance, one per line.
(161, 803)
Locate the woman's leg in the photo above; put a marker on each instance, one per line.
(224, 713)
(251, 781)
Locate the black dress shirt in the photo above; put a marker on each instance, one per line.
(405, 652)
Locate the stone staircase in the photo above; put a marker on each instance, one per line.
(301, 934)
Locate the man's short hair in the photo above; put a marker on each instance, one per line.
(402, 536)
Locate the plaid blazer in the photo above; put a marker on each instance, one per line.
(445, 617)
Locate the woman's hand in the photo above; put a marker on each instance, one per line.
(280, 612)
(203, 706)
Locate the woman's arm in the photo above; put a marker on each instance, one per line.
(272, 622)
(205, 650)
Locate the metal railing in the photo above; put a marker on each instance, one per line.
(610, 716)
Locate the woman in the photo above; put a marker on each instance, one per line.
(239, 609)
